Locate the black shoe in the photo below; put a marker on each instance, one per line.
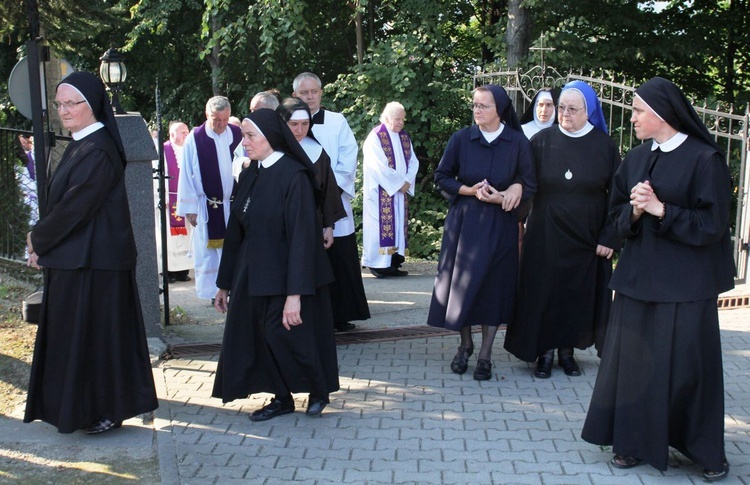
(172, 279)
(378, 273)
(569, 365)
(184, 278)
(277, 407)
(343, 326)
(483, 372)
(544, 366)
(715, 476)
(315, 406)
(102, 425)
(398, 272)
(624, 462)
(461, 360)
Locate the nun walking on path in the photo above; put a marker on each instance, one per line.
(660, 382)
(273, 279)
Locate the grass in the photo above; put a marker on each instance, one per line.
(16, 345)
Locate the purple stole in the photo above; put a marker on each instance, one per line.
(208, 162)
(176, 223)
(30, 165)
(385, 201)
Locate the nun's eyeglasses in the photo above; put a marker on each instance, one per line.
(482, 107)
(68, 105)
(572, 111)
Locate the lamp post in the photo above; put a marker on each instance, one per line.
(113, 72)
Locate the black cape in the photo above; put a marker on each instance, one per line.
(563, 299)
(91, 359)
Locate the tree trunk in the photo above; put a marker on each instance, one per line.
(518, 34)
(214, 60)
(360, 38)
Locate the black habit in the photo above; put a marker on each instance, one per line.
(91, 359)
(274, 248)
(563, 299)
(660, 382)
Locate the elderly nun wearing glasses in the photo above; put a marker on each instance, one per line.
(563, 300)
(91, 367)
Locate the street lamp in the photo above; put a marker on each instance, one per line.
(113, 72)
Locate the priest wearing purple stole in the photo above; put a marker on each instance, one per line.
(389, 172)
(205, 188)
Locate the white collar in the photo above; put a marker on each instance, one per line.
(312, 148)
(270, 159)
(578, 134)
(491, 135)
(671, 144)
(78, 135)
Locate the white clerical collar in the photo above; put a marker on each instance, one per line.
(78, 135)
(270, 159)
(578, 134)
(671, 144)
(491, 135)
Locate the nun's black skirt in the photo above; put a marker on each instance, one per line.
(347, 292)
(91, 359)
(660, 383)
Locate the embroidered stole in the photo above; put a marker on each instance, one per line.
(386, 209)
(208, 162)
(176, 223)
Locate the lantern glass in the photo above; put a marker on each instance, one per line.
(113, 72)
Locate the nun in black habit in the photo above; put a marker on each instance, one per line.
(660, 380)
(273, 279)
(297, 115)
(91, 367)
(563, 299)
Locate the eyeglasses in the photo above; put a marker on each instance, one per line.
(68, 105)
(572, 111)
(482, 107)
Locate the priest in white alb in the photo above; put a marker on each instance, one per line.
(205, 189)
(389, 172)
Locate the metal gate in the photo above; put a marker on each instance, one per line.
(728, 125)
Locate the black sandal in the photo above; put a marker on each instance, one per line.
(622, 461)
(461, 360)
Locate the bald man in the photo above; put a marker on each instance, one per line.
(179, 262)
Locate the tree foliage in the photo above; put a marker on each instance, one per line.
(419, 52)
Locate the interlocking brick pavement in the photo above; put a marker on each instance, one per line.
(403, 417)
